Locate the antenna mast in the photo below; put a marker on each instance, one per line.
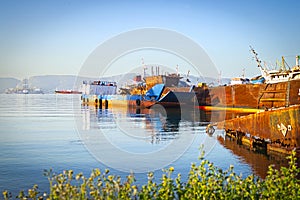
(144, 68)
(220, 77)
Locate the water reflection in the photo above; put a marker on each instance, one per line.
(159, 123)
(144, 139)
(146, 131)
(259, 161)
(38, 132)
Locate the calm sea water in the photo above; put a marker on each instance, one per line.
(40, 132)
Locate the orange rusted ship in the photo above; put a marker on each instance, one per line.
(275, 125)
(280, 88)
(264, 96)
(275, 130)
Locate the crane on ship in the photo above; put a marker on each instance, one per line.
(275, 76)
(258, 61)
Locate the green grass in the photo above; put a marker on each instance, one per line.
(205, 181)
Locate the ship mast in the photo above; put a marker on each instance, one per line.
(284, 63)
(243, 74)
(220, 78)
(144, 68)
(187, 76)
(297, 60)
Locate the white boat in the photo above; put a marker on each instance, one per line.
(276, 76)
(239, 80)
(99, 88)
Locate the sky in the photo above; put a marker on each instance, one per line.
(57, 37)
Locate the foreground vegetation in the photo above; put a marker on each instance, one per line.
(205, 181)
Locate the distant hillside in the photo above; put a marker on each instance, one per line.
(6, 83)
(49, 83)
(208, 80)
(120, 79)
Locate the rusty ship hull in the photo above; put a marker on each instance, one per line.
(275, 130)
(273, 125)
(263, 96)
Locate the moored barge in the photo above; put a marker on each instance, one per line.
(277, 126)
(159, 89)
(274, 130)
(262, 96)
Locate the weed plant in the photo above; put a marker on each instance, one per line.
(205, 181)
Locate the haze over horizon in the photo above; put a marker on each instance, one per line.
(56, 37)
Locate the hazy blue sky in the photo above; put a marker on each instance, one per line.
(56, 37)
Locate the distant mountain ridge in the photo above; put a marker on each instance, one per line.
(50, 83)
(6, 83)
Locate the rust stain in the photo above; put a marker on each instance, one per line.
(279, 127)
(256, 96)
